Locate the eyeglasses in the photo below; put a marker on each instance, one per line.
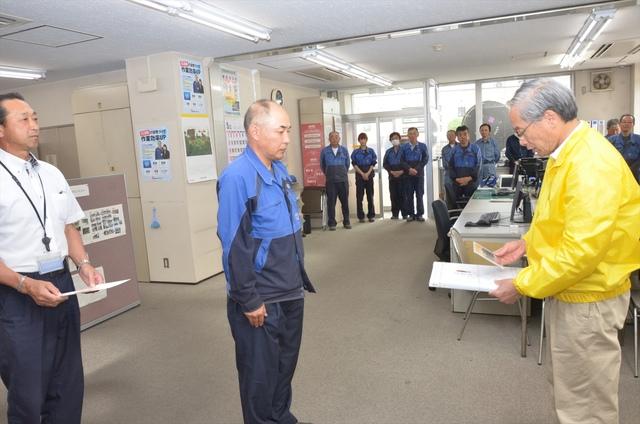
(520, 134)
(626, 122)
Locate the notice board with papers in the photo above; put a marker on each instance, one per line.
(106, 234)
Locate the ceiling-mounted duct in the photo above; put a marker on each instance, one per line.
(8, 21)
(634, 50)
(601, 50)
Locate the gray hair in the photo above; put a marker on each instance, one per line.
(535, 97)
(258, 112)
(612, 123)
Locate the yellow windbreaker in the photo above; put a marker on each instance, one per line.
(584, 240)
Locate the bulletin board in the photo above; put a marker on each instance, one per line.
(106, 233)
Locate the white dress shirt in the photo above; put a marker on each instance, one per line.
(20, 230)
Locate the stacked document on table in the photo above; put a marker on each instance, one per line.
(451, 275)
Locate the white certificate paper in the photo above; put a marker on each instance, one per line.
(99, 287)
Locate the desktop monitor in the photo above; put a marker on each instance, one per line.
(521, 198)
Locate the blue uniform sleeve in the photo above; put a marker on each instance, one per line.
(238, 246)
(385, 160)
(375, 157)
(479, 164)
(347, 163)
(452, 165)
(617, 143)
(323, 162)
(496, 151)
(425, 156)
(353, 157)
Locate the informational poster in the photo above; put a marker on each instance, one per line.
(311, 136)
(236, 137)
(191, 78)
(155, 157)
(201, 164)
(102, 224)
(88, 298)
(231, 91)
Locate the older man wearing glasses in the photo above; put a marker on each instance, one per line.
(628, 143)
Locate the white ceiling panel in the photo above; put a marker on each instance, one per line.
(129, 30)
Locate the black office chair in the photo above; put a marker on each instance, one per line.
(444, 221)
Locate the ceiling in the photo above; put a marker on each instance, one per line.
(71, 38)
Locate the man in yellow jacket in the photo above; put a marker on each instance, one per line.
(582, 245)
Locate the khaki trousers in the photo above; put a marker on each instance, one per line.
(584, 358)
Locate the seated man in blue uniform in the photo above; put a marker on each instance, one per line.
(515, 151)
(259, 227)
(40, 356)
(414, 158)
(490, 152)
(364, 160)
(334, 162)
(464, 168)
(628, 143)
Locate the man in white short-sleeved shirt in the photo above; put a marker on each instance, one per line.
(40, 358)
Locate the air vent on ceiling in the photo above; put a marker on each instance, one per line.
(323, 74)
(529, 56)
(7, 21)
(601, 50)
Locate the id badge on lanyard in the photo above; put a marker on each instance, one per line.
(49, 262)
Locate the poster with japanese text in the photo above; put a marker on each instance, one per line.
(231, 92)
(192, 84)
(201, 163)
(155, 157)
(311, 136)
(236, 137)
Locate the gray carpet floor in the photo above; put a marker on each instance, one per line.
(378, 348)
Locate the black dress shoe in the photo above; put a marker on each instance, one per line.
(394, 217)
(372, 219)
(409, 218)
(360, 220)
(420, 219)
(347, 226)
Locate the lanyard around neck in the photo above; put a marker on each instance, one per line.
(45, 240)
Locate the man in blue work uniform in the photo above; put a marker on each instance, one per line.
(334, 162)
(392, 162)
(364, 160)
(515, 151)
(464, 168)
(263, 259)
(490, 152)
(414, 159)
(628, 143)
(40, 356)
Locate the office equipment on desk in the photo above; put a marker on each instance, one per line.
(520, 197)
(485, 220)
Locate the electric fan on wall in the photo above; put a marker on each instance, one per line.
(601, 81)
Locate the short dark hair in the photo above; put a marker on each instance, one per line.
(3, 98)
(362, 136)
(628, 114)
(461, 128)
(486, 125)
(395, 133)
(412, 128)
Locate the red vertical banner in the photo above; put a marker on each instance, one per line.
(311, 137)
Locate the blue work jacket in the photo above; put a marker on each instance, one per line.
(392, 160)
(415, 158)
(259, 227)
(335, 167)
(465, 162)
(489, 150)
(630, 150)
(364, 158)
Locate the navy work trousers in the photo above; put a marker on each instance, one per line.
(396, 194)
(414, 184)
(266, 359)
(362, 187)
(337, 191)
(40, 357)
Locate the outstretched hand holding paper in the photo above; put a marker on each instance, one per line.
(98, 287)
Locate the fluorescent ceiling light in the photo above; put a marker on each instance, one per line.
(591, 29)
(204, 14)
(21, 73)
(339, 65)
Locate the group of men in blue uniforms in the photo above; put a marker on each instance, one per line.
(404, 163)
(628, 143)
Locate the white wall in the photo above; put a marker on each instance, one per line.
(636, 89)
(52, 100)
(604, 105)
(291, 94)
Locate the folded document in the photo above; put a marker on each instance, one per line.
(96, 288)
(451, 275)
